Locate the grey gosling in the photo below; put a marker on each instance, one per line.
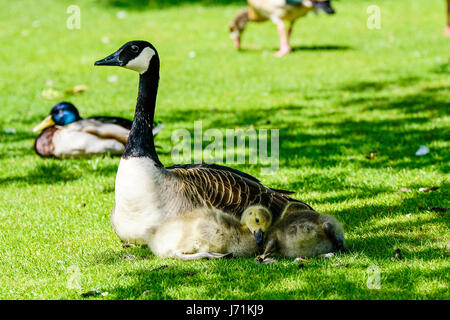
(304, 233)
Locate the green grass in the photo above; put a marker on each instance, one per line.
(344, 91)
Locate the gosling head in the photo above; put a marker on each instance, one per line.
(310, 233)
(134, 55)
(61, 114)
(257, 219)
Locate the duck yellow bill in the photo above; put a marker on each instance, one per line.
(48, 122)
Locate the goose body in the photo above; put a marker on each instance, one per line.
(262, 10)
(204, 233)
(66, 134)
(147, 194)
(305, 233)
(277, 11)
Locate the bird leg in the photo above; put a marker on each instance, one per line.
(447, 30)
(271, 247)
(284, 42)
(291, 26)
(202, 255)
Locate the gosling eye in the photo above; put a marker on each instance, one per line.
(257, 220)
(134, 48)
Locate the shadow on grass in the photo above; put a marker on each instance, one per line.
(322, 47)
(158, 4)
(223, 279)
(346, 141)
(380, 85)
(443, 68)
(6, 138)
(413, 202)
(111, 257)
(44, 173)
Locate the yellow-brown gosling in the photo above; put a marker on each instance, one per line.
(210, 233)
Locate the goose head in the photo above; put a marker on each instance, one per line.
(134, 55)
(323, 5)
(237, 26)
(61, 114)
(257, 219)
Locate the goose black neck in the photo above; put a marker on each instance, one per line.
(140, 140)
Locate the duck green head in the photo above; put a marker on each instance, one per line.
(257, 219)
(61, 114)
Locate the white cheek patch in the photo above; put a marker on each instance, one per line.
(235, 35)
(142, 61)
(307, 3)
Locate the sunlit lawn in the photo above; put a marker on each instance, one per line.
(343, 93)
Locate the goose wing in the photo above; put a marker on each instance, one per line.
(227, 189)
(219, 167)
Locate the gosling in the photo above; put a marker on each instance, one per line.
(210, 233)
(304, 233)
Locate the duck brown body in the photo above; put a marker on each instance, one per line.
(43, 145)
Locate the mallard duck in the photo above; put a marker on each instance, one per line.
(146, 192)
(66, 134)
(276, 11)
(304, 233)
(210, 233)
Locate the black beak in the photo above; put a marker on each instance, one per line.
(337, 241)
(111, 60)
(339, 245)
(259, 235)
(324, 6)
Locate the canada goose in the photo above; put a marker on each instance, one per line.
(305, 233)
(146, 192)
(276, 11)
(66, 134)
(210, 233)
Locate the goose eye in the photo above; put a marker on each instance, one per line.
(134, 48)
